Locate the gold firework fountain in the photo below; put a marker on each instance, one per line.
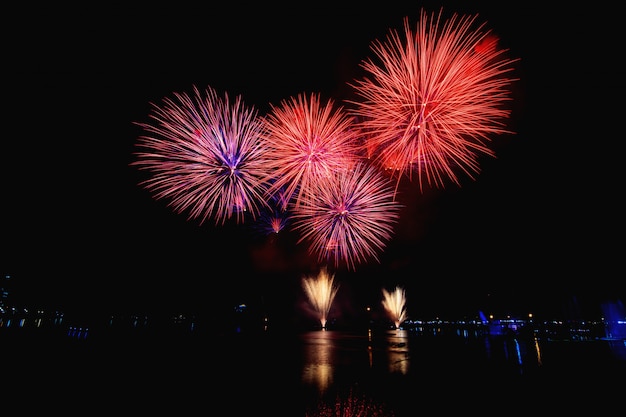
(394, 303)
(321, 291)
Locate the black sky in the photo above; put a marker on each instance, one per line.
(539, 229)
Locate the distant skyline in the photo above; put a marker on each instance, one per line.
(535, 229)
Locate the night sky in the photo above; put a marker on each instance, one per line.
(538, 230)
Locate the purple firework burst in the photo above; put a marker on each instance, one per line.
(206, 156)
(348, 218)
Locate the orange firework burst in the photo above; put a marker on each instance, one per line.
(434, 100)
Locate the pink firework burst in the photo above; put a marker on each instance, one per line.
(349, 218)
(309, 142)
(206, 156)
(437, 96)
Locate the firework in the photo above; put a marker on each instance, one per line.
(206, 156)
(321, 291)
(349, 218)
(352, 404)
(438, 95)
(310, 141)
(273, 218)
(394, 303)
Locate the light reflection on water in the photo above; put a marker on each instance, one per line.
(398, 351)
(325, 353)
(403, 369)
(399, 357)
(319, 349)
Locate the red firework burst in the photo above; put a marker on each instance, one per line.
(206, 156)
(348, 218)
(435, 99)
(309, 142)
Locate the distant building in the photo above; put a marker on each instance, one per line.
(5, 291)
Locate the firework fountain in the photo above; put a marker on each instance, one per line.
(321, 291)
(394, 303)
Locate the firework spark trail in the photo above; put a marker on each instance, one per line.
(310, 141)
(435, 100)
(206, 156)
(348, 218)
(394, 303)
(321, 291)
